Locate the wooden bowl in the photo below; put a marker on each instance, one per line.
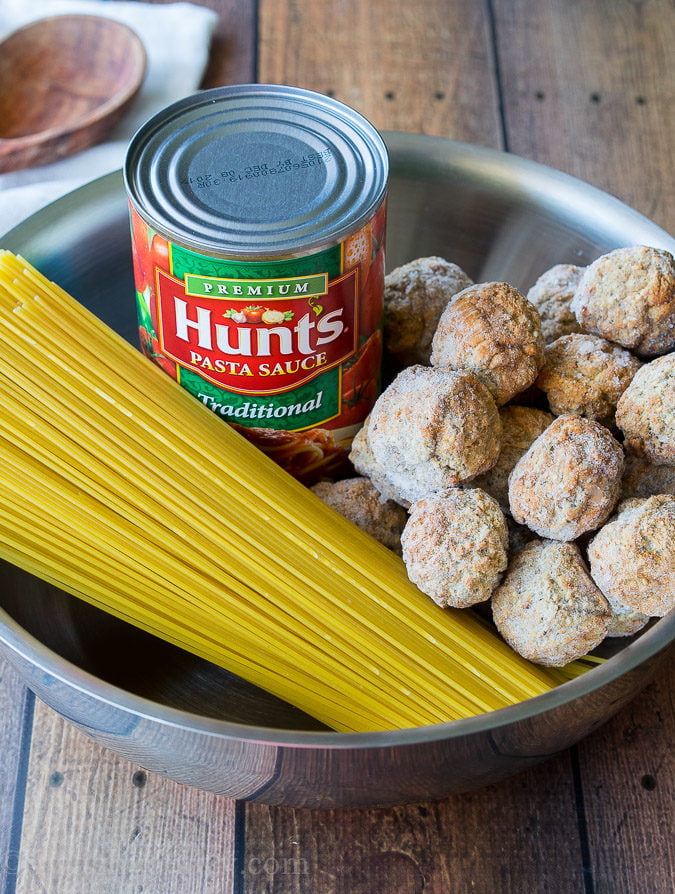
(64, 82)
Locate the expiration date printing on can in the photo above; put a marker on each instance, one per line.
(250, 172)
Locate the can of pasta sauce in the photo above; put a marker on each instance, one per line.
(258, 219)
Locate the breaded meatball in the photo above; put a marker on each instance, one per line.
(586, 375)
(363, 460)
(521, 426)
(547, 608)
(415, 296)
(645, 412)
(493, 331)
(633, 556)
(433, 428)
(568, 482)
(644, 479)
(628, 296)
(551, 295)
(626, 622)
(359, 501)
(455, 546)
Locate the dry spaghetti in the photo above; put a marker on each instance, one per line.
(120, 488)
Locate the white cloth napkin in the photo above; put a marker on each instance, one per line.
(176, 37)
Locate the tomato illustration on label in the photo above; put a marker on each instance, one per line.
(151, 349)
(361, 381)
(253, 314)
(159, 251)
(371, 304)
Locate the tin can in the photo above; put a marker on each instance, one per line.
(258, 222)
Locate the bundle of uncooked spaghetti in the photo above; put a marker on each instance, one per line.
(119, 487)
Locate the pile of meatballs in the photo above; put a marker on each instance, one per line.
(523, 456)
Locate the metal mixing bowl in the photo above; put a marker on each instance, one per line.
(499, 217)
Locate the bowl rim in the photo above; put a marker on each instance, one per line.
(17, 640)
(656, 639)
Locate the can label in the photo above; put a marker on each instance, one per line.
(272, 346)
(258, 341)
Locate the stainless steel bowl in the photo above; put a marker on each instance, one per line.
(499, 217)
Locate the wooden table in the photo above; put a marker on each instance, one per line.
(586, 87)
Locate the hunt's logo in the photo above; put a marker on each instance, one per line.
(257, 336)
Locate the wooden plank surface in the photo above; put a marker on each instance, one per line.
(587, 88)
(584, 87)
(520, 835)
(417, 67)
(123, 830)
(16, 711)
(628, 774)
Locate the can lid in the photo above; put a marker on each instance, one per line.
(257, 170)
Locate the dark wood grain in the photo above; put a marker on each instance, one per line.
(520, 835)
(420, 67)
(628, 777)
(122, 830)
(15, 730)
(586, 89)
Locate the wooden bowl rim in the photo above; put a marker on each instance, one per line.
(117, 100)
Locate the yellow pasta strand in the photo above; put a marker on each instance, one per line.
(120, 488)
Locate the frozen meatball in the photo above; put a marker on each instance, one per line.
(646, 412)
(432, 429)
(586, 375)
(455, 546)
(644, 479)
(552, 295)
(415, 296)
(493, 331)
(521, 426)
(633, 557)
(547, 608)
(568, 482)
(628, 296)
(625, 621)
(359, 501)
(363, 460)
